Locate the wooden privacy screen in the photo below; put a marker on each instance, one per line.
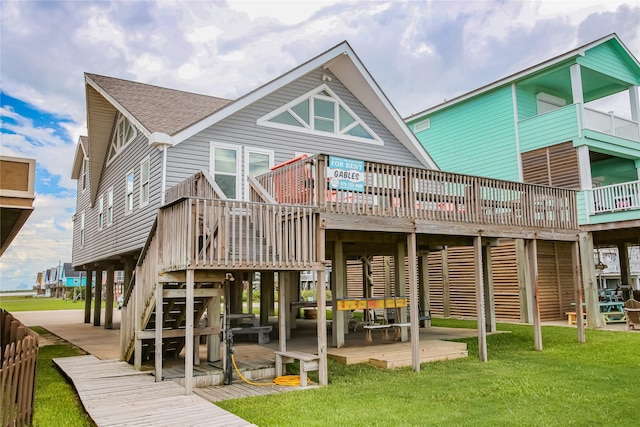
(556, 166)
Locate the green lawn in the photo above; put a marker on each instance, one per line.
(566, 384)
(56, 402)
(13, 304)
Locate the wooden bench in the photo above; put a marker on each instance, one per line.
(572, 317)
(261, 331)
(308, 362)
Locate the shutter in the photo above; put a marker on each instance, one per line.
(556, 166)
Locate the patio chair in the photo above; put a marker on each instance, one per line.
(632, 312)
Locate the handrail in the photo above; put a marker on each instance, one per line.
(201, 233)
(611, 124)
(422, 194)
(615, 197)
(200, 184)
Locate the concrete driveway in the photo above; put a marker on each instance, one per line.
(69, 325)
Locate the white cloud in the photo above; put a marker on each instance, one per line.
(420, 52)
(288, 12)
(52, 152)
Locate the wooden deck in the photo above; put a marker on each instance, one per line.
(240, 389)
(115, 394)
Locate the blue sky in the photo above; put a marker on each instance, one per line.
(419, 52)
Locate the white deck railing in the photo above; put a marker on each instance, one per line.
(610, 124)
(615, 198)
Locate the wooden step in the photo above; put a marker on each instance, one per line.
(402, 360)
(398, 354)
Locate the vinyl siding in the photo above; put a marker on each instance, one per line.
(126, 233)
(241, 129)
(604, 59)
(548, 129)
(526, 101)
(476, 137)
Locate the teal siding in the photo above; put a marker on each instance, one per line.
(475, 137)
(604, 59)
(583, 207)
(548, 129)
(526, 101)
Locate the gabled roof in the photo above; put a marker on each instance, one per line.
(628, 58)
(154, 108)
(343, 62)
(82, 149)
(68, 271)
(168, 116)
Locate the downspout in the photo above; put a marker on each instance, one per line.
(164, 174)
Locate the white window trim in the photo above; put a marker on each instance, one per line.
(82, 229)
(85, 174)
(238, 150)
(110, 207)
(248, 150)
(119, 118)
(128, 211)
(101, 217)
(144, 203)
(264, 120)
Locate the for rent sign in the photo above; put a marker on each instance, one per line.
(345, 174)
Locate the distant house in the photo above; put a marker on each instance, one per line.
(17, 180)
(541, 125)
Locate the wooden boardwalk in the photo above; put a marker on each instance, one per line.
(115, 394)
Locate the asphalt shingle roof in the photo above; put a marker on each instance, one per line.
(157, 108)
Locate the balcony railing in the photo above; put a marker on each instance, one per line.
(406, 192)
(210, 233)
(612, 125)
(615, 198)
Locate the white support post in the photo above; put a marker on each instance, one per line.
(589, 281)
(188, 338)
(531, 248)
(282, 311)
(338, 274)
(213, 321)
(481, 319)
(577, 287)
(137, 320)
(323, 376)
(413, 301)
(158, 332)
(634, 100)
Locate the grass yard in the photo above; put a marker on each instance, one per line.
(566, 384)
(56, 402)
(15, 303)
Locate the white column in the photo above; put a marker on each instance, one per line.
(585, 167)
(576, 84)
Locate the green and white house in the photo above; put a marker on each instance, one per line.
(540, 126)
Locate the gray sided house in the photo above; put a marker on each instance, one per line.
(145, 139)
(182, 193)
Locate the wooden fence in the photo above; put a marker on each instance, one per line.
(19, 351)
